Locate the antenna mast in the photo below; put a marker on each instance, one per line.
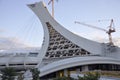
(52, 7)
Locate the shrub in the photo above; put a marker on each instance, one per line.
(90, 76)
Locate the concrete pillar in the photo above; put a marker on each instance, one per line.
(78, 71)
(85, 68)
(60, 73)
(66, 72)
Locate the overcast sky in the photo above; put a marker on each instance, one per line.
(20, 27)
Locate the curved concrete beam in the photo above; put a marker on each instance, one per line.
(76, 61)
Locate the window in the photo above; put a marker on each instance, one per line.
(32, 54)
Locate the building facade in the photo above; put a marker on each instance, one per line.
(64, 52)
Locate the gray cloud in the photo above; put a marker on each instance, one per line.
(1, 30)
(117, 41)
(102, 38)
(10, 43)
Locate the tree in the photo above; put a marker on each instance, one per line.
(35, 74)
(20, 76)
(8, 73)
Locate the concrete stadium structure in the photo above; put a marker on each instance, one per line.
(19, 59)
(64, 53)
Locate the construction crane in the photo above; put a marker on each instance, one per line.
(109, 31)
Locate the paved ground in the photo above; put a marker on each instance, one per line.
(102, 78)
(109, 78)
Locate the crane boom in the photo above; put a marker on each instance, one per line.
(88, 25)
(109, 31)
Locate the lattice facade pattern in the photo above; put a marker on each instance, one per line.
(59, 46)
